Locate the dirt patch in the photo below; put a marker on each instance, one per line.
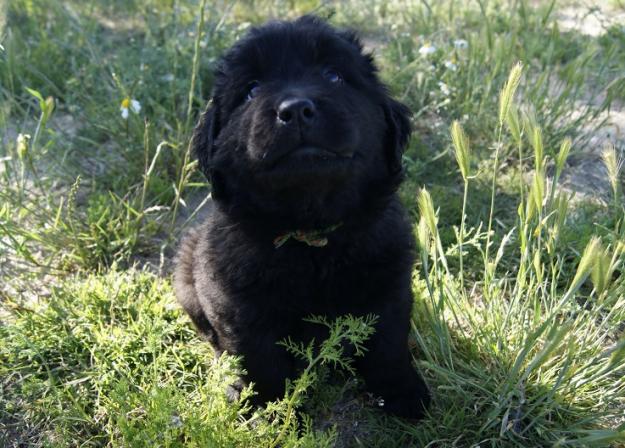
(61, 122)
(586, 174)
(590, 18)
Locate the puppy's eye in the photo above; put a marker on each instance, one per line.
(333, 76)
(252, 89)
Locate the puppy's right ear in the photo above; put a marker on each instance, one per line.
(398, 132)
(203, 145)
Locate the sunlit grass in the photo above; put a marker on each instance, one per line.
(519, 297)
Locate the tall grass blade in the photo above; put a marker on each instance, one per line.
(507, 94)
(461, 149)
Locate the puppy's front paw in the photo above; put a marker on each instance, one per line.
(407, 396)
(407, 405)
(233, 391)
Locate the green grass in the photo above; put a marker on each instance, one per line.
(518, 331)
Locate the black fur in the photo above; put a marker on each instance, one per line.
(242, 292)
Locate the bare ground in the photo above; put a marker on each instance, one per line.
(586, 174)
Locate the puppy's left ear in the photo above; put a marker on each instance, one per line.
(203, 147)
(204, 136)
(398, 132)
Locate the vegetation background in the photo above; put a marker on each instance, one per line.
(514, 182)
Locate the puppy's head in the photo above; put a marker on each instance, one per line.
(298, 119)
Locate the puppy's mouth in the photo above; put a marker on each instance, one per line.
(312, 153)
(317, 152)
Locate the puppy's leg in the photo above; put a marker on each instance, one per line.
(268, 365)
(268, 368)
(387, 368)
(184, 285)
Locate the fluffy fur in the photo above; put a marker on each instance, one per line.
(302, 136)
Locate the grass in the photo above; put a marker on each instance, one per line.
(519, 293)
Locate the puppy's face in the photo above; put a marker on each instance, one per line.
(297, 107)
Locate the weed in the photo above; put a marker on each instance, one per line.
(519, 294)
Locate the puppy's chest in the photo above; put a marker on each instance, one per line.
(306, 271)
(297, 277)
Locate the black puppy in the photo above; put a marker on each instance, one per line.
(302, 146)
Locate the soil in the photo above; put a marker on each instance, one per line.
(586, 174)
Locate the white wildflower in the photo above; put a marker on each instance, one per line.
(427, 49)
(451, 66)
(129, 105)
(461, 44)
(444, 88)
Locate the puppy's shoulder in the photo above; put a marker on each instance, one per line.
(391, 236)
(395, 222)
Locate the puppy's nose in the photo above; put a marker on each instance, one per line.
(296, 109)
